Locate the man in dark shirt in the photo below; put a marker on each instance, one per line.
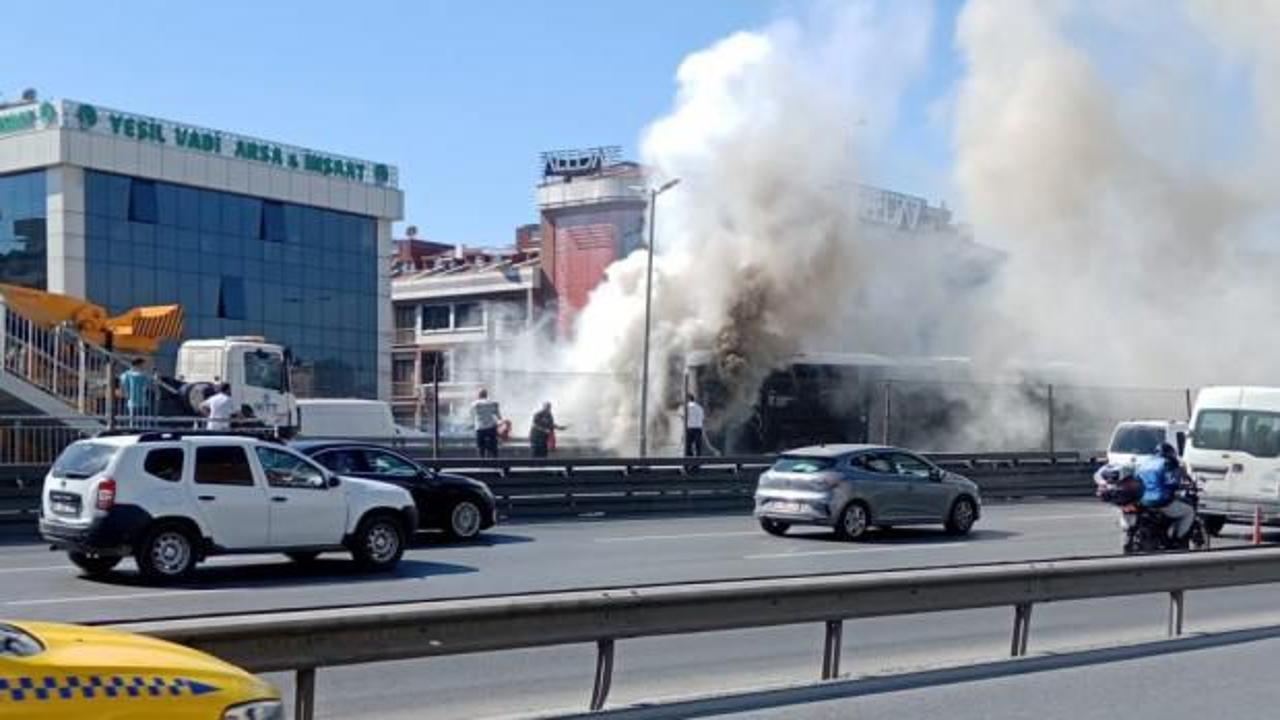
(544, 427)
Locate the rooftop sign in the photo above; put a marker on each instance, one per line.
(585, 161)
(95, 119)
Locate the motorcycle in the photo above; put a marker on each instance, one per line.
(1148, 530)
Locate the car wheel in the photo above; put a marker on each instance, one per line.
(167, 554)
(94, 564)
(853, 521)
(303, 558)
(465, 519)
(1213, 524)
(774, 527)
(379, 542)
(962, 516)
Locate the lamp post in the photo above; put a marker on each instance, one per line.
(648, 312)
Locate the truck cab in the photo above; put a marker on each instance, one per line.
(258, 372)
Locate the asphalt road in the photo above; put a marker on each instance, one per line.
(1238, 679)
(38, 584)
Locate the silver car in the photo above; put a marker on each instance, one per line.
(854, 487)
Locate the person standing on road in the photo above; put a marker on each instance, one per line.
(695, 418)
(135, 385)
(543, 430)
(485, 415)
(218, 408)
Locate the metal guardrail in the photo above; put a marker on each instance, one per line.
(543, 488)
(302, 641)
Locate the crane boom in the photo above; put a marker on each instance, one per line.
(139, 330)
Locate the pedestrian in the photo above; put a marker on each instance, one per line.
(485, 416)
(135, 385)
(219, 408)
(695, 418)
(543, 432)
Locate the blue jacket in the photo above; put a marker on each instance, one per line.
(1158, 482)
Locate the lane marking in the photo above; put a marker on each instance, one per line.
(1082, 516)
(99, 598)
(43, 568)
(846, 551)
(638, 538)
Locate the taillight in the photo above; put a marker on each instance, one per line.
(106, 494)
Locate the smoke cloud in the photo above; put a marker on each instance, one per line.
(1123, 155)
(759, 250)
(1116, 155)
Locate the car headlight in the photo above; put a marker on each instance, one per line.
(256, 710)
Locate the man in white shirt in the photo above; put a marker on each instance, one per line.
(486, 416)
(219, 408)
(695, 418)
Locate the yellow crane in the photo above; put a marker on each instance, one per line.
(140, 330)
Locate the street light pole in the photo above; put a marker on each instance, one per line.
(648, 314)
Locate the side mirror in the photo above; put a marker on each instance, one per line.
(935, 474)
(334, 481)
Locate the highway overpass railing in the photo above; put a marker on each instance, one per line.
(302, 641)
(528, 488)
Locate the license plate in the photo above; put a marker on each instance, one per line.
(63, 508)
(788, 507)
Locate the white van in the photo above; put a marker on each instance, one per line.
(350, 419)
(1234, 450)
(1133, 438)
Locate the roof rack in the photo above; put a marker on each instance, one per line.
(153, 435)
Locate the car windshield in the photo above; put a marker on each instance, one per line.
(18, 643)
(801, 464)
(84, 460)
(1137, 439)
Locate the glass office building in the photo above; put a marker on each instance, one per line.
(251, 237)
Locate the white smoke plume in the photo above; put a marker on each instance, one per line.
(759, 249)
(1124, 155)
(1113, 151)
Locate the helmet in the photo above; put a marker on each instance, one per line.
(1168, 452)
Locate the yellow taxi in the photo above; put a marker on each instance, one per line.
(49, 670)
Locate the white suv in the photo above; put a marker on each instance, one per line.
(171, 499)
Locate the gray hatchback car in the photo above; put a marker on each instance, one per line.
(854, 487)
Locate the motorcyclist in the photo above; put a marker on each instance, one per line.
(1161, 475)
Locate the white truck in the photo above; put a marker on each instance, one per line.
(258, 372)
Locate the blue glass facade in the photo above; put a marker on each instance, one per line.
(23, 249)
(301, 276)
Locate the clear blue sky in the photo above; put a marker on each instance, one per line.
(461, 95)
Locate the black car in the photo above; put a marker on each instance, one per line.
(460, 506)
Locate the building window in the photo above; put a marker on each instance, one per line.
(231, 298)
(435, 317)
(23, 233)
(406, 315)
(468, 316)
(142, 201)
(271, 224)
(434, 362)
(402, 370)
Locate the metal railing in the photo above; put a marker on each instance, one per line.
(64, 366)
(528, 488)
(303, 641)
(55, 361)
